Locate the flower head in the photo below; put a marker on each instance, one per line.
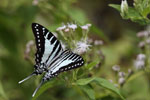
(141, 57)
(61, 28)
(139, 64)
(98, 42)
(86, 27)
(82, 47)
(72, 26)
(35, 2)
(116, 68)
(121, 74)
(121, 80)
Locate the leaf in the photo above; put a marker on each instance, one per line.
(43, 89)
(133, 14)
(89, 91)
(2, 93)
(99, 32)
(77, 15)
(91, 65)
(102, 82)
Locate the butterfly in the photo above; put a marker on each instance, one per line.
(50, 57)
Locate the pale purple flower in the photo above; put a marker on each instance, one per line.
(61, 28)
(82, 47)
(143, 34)
(121, 80)
(72, 26)
(98, 42)
(86, 27)
(35, 2)
(141, 44)
(139, 64)
(130, 72)
(66, 30)
(116, 68)
(141, 57)
(121, 74)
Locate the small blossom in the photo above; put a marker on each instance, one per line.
(130, 72)
(124, 6)
(141, 57)
(82, 47)
(121, 74)
(61, 28)
(66, 30)
(139, 64)
(143, 34)
(98, 42)
(141, 44)
(86, 27)
(35, 2)
(72, 26)
(121, 81)
(116, 68)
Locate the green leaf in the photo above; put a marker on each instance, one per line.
(2, 93)
(43, 89)
(117, 7)
(102, 82)
(91, 65)
(99, 32)
(133, 14)
(77, 15)
(89, 91)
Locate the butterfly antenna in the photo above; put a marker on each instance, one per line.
(27, 78)
(38, 88)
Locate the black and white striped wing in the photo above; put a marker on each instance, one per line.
(66, 61)
(48, 47)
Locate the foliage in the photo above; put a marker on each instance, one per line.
(114, 68)
(138, 13)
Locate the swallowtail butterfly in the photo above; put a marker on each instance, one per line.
(50, 58)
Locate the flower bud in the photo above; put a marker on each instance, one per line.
(124, 7)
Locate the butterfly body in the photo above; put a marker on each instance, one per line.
(50, 57)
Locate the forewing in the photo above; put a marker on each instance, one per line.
(47, 44)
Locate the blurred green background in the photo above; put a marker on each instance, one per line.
(118, 35)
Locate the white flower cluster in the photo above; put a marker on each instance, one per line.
(121, 75)
(73, 27)
(82, 47)
(139, 63)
